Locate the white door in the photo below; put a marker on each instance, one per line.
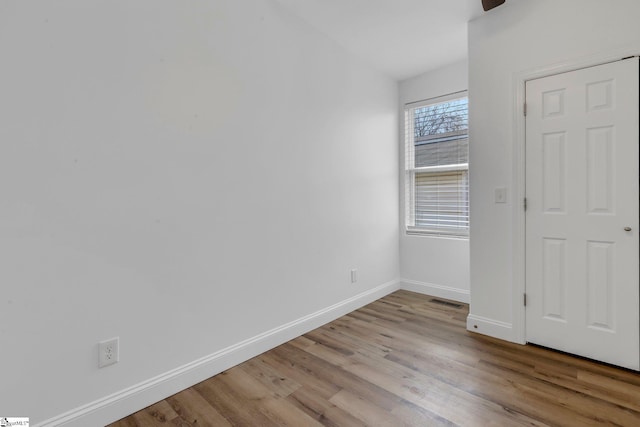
(582, 213)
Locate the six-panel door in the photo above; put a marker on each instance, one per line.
(582, 221)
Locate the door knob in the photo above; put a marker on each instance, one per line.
(627, 229)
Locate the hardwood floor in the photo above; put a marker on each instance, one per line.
(404, 360)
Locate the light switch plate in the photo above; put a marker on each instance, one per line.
(501, 195)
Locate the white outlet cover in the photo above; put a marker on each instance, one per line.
(108, 352)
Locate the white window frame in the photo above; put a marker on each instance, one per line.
(411, 171)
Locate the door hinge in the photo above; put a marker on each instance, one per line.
(525, 300)
(524, 109)
(525, 204)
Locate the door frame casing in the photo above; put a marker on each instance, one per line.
(519, 170)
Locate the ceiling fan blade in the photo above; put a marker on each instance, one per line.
(490, 4)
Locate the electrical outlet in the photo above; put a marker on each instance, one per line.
(354, 275)
(109, 352)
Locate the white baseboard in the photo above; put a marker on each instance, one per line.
(439, 291)
(490, 327)
(118, 405)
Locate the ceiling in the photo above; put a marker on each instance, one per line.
(402, 38)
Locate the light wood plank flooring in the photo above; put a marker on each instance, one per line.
(404, 360)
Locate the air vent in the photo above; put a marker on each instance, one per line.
(447, 303)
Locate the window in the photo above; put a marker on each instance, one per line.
(437, 166)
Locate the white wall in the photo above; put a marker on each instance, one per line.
(433, 265)
(517, 39)
(183, 175)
